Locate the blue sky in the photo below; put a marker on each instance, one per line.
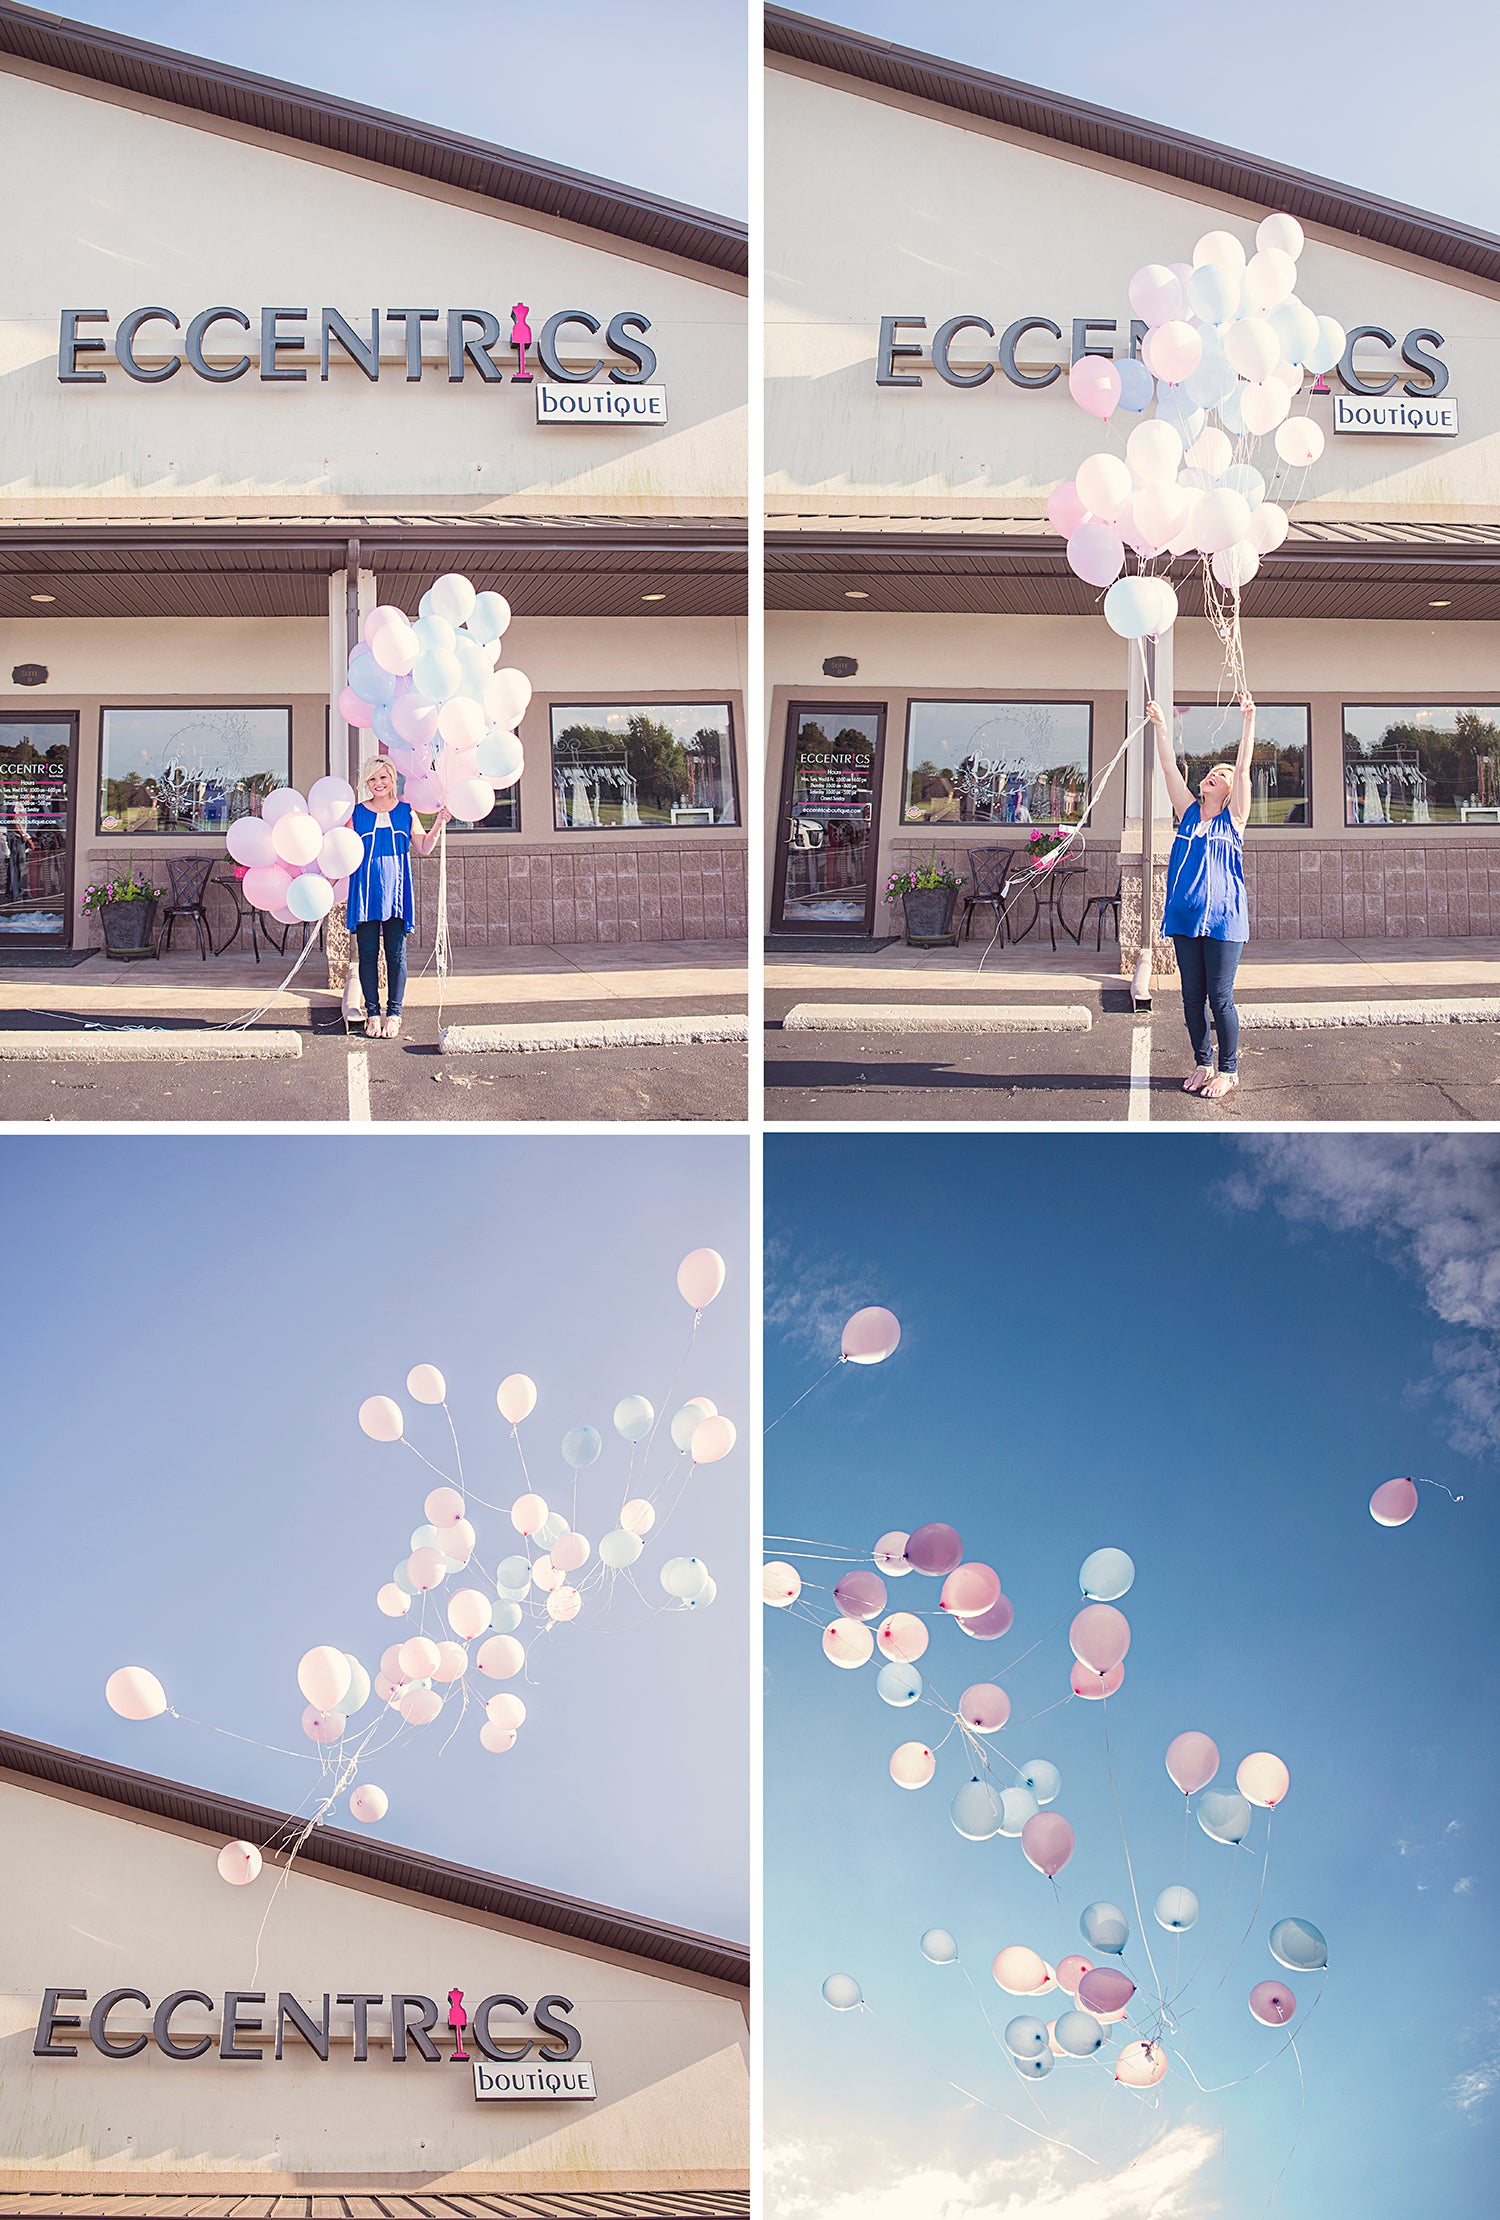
(1207, 1353)
(1375, 96)
(651, 95)
(191, 1325)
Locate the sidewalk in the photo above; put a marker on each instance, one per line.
(483, 982)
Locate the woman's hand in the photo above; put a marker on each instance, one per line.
(1156, 715)
(1247, 707)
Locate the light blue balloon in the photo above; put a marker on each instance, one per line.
(1105, 1927)
(403, 1579)
(435, 635)
(1136, 385)
(1224, 1816)
(513, 1572)
(1035, 2069)
(898, 1685)
(939, 1947)
(489, 616)
(581, 1445)
(1176, 1909)
(1214, 378)
(384, 731)
(1041, 1776)
(505, 1617)
(975, 1811)
(1026, 2036)
(1246, 480)
(1214, 292)
(435, 675)
(1078, 2033)
(425, 1537)
(368, 679)
(1105, 1575)
(1174, 407)
(1017, 1805)
(1299, 1946)
(424, 606)
(474, 666)
(843, 1992)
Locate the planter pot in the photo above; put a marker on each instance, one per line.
(928, 911)
(129, 930)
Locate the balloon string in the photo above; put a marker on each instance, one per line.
(239, 1024)
(806, 1392)
(1446, 1491)
(187, 1720)
(440, 944)
(1301, 2116)
(1255, 1914)
(1234, 1867)
(1129, 1867)
(1219, 2087)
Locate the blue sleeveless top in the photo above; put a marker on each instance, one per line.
(381, 887)
(1206, 879)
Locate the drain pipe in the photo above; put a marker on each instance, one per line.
(1140, 985)
(351, 634)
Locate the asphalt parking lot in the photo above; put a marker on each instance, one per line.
(404, 1081)
(1402, 1073)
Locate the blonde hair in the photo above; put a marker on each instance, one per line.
(1227, 769)
(371, 764)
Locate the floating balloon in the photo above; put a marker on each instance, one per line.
(975, 1811)
(1176, 1909)
(912, 1765)
(323, 1726)
(1299, 1946)
(619, 1549)
(1070, 1971)
(712, 1440)
(1172, 352)
(1219, 246)
(1105, 1989)
(1019, 1971)
(902, 1638)
(1041, 1776)
(686, 1422)
(1094, 383)
(528, 1513)
(1155, 293)
(843, 1992)
(1263, 1778)
(1025, 2036)
(1065, 512)
(848, 1643)
(1105, 1575)
(1077, 2033)
(1105, 1927)
(1017, 1807)
(781, 1585)
(444, 1506)
(935, 1550)
(1104, 485)
(502, 1657)
(638, 1516)
(1096, 552)
(323, 1676)
(238, 1863)
(515, 1398)
(425, 1384)
(1272, 2003)
(860, 1595)
(984, 1707)
(393, 1601)
(1034, 2069)
(497, 1740)
(1225, 1817)
(368, 1804)
(380, 1418)
(1281, 232)
(1394, 1502)
(870, 1336)
(938, 1947)
(1192, 1761)
(988, 1626)
(1099, 1636)
(890, 1555)
(898, 1685)
(633, 1417)
(1047, 1841)
(1299, 442)
(1141, 2065)
(1085, 1682)
(134, 1693)
(581, 1446)
(968, 1591)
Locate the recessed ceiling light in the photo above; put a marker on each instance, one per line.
(44, 597)
(855, 593)
(1440, 605)
(653, 597)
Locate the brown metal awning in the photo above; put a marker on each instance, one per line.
(365, 2203)
(1348, 569)
(216, 567)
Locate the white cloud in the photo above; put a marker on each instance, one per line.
(1469, 2089)
(1433, 1199)
(854, 2181)
(1464, 1885)
(808, 1300)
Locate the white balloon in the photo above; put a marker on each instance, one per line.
(1219, 520)
(380, 1418)
(618, 1549)
(1253, 347)
(1264, 406)
(1269, 277)
(1235, 566)
(634, 1417)
(1212, 451)
(1219, 246)
(1331, 342)
(1104, 486)
(1296, 327)
(1269, 525)
(1172, 352)
(1156, 293)
(1154, 451)
(1299, 441)
(425, 1384)
(1281, 232)
(367, 1803)
(238, 1863)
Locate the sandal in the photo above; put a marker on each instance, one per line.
(1197, 1079)
(1223, 1083)
(392, 1027)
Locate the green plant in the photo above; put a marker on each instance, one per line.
(127, 889)
(916, 878)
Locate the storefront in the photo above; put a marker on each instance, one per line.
(390, 2026)
(225, 448)
(937, 679)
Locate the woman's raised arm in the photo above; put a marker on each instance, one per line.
(1177, 786)
(425, 842)
(1239, 790)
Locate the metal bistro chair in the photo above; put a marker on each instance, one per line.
(244, 913)
(987, 869)
(189, 882)
(1051, 887)
(1099, 903)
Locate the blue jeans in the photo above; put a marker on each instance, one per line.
(369, 936)
(1208, 968)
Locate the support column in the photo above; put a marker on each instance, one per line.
(1148, 817)
(352, 594)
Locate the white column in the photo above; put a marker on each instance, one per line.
(346, 745)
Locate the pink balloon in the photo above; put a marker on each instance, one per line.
(396, 647)
(1085, 1682)
(1096, 553)
(1047, 1840)
(1020, 1971)
(414, 719)
(889, 1553)
(984, 1707)
(988, 1626)
(425, 791)
(913, 1765)
(323, 1726)
(970, 1590)
(354, 710)
(1393, 1502)
(1263, 1779)
(1272, 2003)
(902, 1638)
(860, 1595)
(1192, 1761)
(425, 1568)
(1065, 512)
(444, 1506)
(1141, 2065)
(266, 886)
(1099, 1636)
(1094, 383)
(934, 1550)
(870, 1335)
(1070, 1971)
(1102, 1988)
(700, 1276)
(249, 841)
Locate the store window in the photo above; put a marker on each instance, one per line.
(996, 762)
(633, 765)
(1415, 766)
(1209, 732)
(504, 817)
(189, 770)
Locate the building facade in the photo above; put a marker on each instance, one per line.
(936, 676)
(378, 2023)
(271, 358)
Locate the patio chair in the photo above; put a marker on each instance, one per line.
(1099, 903)
(188, 880)
(987, 869)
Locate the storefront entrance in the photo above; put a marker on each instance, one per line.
(36, 828)
(829, 833)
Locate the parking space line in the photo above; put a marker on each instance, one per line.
(359, 1086)
(1139, 1112)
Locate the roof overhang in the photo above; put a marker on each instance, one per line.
(447, 1886)
(1207, 168)
(238, 96)
(1369, 572)
(213, 568)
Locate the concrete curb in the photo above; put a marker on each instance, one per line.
(1306, 1017)
(642, 1032)
(147, 1045)
(906, 1017)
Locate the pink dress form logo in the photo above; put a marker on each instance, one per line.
(520, 339)
(458, 2020)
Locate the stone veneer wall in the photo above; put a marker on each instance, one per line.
(1377, 886)
(515, 894)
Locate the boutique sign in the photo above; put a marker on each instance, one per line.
(288, 346)
(244, 2027)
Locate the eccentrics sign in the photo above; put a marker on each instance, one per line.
(288, 346)
(244, 2026)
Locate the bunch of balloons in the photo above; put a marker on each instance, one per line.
(469, 1625)
(299, 851)
(1228, 348)
(434, 695)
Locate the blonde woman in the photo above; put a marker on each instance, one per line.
(1206, 917)
(380, 906)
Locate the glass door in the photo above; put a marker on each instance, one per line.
(830, 819)
(36, 829)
